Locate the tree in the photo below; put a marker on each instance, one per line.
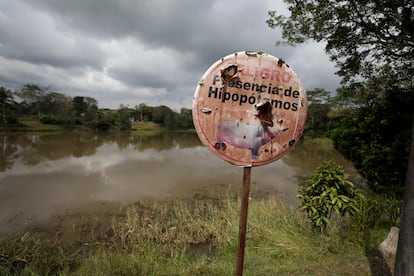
(143, 112)
(376, 135)
(363, 37)
(57, 108)
(185, 119)
(319, 105)
(85, 109)
(91, 113)
(123, 118)
(360, 35)
(31, 94)
(6, 101)
(164, 115)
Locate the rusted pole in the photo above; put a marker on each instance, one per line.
(243, 219)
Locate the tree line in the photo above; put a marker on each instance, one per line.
(49, 107)
(369, 122)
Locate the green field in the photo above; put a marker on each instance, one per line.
(149, 128)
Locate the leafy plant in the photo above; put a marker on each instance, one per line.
(326, 192)
(378, 210)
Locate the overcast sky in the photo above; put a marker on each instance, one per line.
(140, 51)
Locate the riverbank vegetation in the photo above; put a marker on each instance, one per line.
(197, 236)
(33, 107)
(370, 119)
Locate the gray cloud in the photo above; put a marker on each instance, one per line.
(33, 36)
(130, 52)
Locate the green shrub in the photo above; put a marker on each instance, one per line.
(50, 120)
(378, 210)
(104, 125)
(326, 192)
(55, 120)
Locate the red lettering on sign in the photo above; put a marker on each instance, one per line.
(264, 73)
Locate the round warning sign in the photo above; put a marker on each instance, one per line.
(249, 108)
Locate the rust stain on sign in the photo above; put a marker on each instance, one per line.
(249, 108)
(228, 73)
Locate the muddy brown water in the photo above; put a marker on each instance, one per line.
(52, 174)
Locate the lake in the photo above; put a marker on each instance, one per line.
(45, 174)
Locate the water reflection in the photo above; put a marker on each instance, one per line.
(43, 174)
(32, 149)
(310, 153)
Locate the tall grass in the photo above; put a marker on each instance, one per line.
(192, 237)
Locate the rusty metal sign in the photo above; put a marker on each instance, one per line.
(249, 108)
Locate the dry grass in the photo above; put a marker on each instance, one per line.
(194, 237)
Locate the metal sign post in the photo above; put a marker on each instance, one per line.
(243, 219)
(249, 109)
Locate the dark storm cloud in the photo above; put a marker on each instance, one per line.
(209, 29)
(130, 51)
(157, 23)
(32, 36)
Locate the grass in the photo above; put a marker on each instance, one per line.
(195, 237)
(27, 124)
(147, 128)
(30, 124)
